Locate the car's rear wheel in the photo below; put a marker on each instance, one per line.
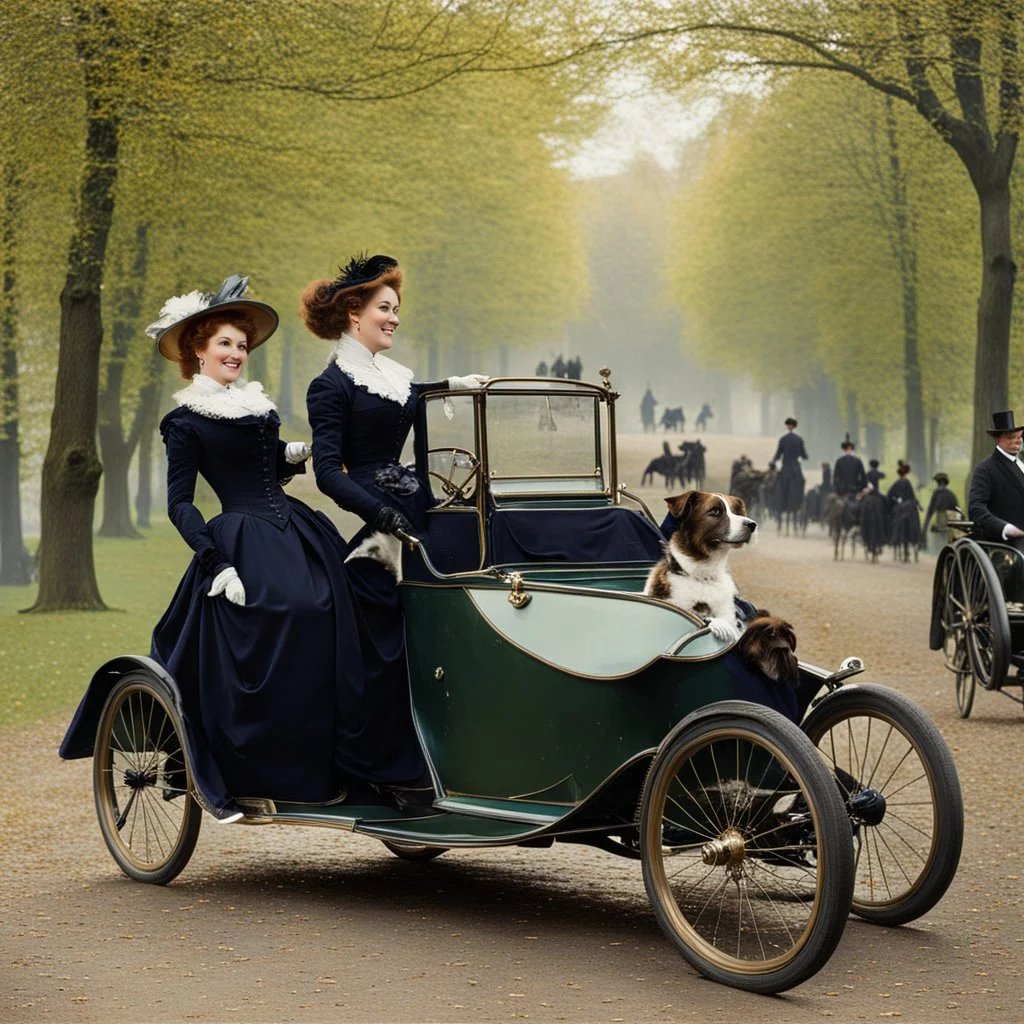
(902, 792)
(142, 784)
(746, 849)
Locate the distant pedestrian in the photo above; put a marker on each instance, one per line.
(943, 506)
(703, 416)
(542, 369)
(647, 404)
(558, 367)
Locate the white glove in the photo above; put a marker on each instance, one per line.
(226, 582)
(723, 629)
(471, 380)
(296, 452)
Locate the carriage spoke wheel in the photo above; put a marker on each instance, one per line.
(975, 604)
(141, 783)
(746, 849)
(900, 787)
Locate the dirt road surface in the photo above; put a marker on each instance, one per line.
(276, 924)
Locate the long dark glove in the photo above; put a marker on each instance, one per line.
(390, 520)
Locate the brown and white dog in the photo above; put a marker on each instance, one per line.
(769, 644)
(693, 574)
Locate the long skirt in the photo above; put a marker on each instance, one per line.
(271, 691)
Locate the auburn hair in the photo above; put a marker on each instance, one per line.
(326, 309)
(197, 334)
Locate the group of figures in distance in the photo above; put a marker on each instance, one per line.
(685, 469)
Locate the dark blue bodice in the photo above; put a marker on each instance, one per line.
(241, 459)
(363, 434)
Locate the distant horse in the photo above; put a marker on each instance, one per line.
(673, 419)
(842, 517)
(692, 467)
(874, 525)
(906, 530)
(665, 465)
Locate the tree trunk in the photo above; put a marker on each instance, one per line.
(433, 360)
(852, 417)
(71, 468)
(146, 417)
(285, 399)
(874, 441)
(904, 249)
(257, 367)
(995, 308)
(933, 447)
(15, 562)
(116, 449)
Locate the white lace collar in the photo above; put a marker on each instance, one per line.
(224, 402)
(377, 373)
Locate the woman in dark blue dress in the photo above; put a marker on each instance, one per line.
(903, 509)
(261, 628)
(362, 408)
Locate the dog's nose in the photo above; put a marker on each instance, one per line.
(751, 526)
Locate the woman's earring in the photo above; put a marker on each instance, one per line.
(202, 363)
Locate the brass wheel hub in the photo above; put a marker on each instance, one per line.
(729, 848)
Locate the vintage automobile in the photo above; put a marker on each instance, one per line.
(978, 614)
(555, 702)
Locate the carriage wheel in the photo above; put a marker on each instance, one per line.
(975, 607)
(964, 676)
(746, 849)
(901, 790)
(142, 784)
(413, 851)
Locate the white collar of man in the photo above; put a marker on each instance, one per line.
(379, 374)
(224, 401)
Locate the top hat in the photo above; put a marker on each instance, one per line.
(1002, 423)
(789, 421)
(181, 310)
(941, 478)
(847, 444)
(362, 270)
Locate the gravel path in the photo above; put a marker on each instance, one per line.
(278, 924)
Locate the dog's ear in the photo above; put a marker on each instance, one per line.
(790, 634)
(737, 505)
(680, 505)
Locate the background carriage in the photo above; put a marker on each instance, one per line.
(978, 615)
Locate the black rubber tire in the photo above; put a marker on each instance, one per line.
(963, 683)
(975, 589)
(414, 851)
(908, 762)
(811, 898)
(150, 826)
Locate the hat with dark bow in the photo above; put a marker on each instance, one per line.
(181, 310)
(847, 445)
(941, 478)
(362, 270)
(1002, 423)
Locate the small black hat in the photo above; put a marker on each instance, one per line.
(1002, 423)
(847, 444)
(362, 269)
(789, 421)
(941, 478)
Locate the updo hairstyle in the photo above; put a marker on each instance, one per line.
(197, 334)
(326, 308)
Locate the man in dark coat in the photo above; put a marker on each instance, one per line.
(790, 485)
(941, 506)
(996, 499)
(848, 477)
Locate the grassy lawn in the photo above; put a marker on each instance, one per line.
(49, 659)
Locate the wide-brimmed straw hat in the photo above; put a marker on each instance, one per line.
(181, 310)
(1002, 423)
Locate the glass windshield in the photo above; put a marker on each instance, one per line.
(544, 436)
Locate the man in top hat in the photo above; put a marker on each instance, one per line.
(848, 477)
(996, 500)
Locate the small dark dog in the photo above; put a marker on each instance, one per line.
(769, 644)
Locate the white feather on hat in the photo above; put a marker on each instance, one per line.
(177, 308)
